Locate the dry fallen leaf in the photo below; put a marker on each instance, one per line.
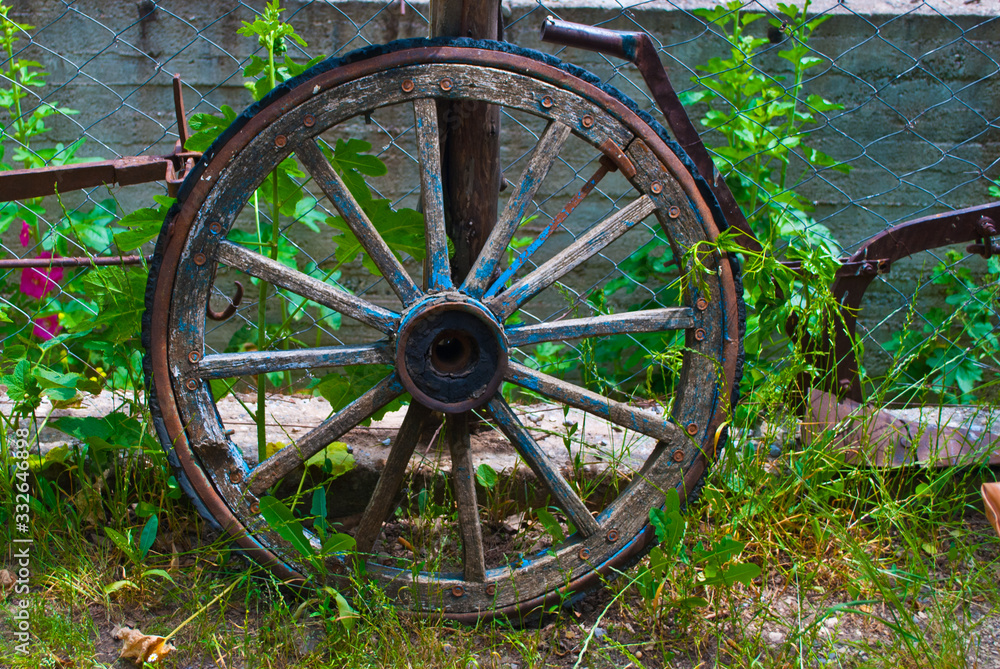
(141, 647)
(7, 582)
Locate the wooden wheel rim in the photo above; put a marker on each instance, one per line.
(178, 323)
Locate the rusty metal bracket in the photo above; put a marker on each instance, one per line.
(124, 171)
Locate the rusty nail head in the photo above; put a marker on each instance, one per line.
(215, 227)
(309, 121)
(446, 86)
(199, 259)
(986, 227)
(458, 591)
(236, 476)
(587, 121)
(194, 356)
(674, 212)
(584, 553)
(191, 384)
(408, 85)
(255, 508)
(699, 334)
(678, 455)
(612, 535)
(656, 187)
(280, 141)
(491, 589)
(547, 101)
(702, 304)
(692, 430)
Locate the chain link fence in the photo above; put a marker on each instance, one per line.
(829, 132)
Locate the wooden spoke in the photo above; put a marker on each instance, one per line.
(302, 284)
(650, 320)
(566, 498)
(335, 188)
(380, 504)
(463, 481)
(429, 152)
(229, 365)
(632, 418)
(545, 153)
(591, 242)
(270, 471)
(523, 257)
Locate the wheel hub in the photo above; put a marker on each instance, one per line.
(451, 353)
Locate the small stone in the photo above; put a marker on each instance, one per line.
(776, 637)
(386, 442)
(448, 648)
(603, 442)
(569, 422)
(775, 451)
(600, 632)
(638, 654)
(831, 621)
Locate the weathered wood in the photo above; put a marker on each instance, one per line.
(269, 472)
(542, 466)
(380, 503)
(369, 238)
(632, 418)
(463, 481)
(629, 322)
(544, 155)
(302, 284)
(229, 365)
(553, 225)
(586, 246)
(429, 156)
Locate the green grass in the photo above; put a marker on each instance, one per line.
(860, 568)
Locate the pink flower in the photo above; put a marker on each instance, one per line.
(46, 327)
(25, 234)
(37, 282)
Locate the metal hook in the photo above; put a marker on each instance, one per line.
(230, 308)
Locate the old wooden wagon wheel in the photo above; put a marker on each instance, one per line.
(443, 347)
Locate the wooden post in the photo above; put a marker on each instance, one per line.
(470, 140)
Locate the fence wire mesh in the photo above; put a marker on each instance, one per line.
(829, 131)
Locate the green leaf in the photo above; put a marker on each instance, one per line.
(339, 543)
(148, 536)
(738, 573)
(342, 388)
(486, 475)
(123, 543)
(668, 523)
(334, 460)
(281, 520)
(551, 525)
(347, 616)
(159, 572)
(145, 224)
(118, 585)
(402, 230)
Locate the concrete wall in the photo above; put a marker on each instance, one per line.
(918, 81)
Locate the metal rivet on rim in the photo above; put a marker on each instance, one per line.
(678, 455)
(547, 101)
(215, 227)
(194, 356)
(674, 212)
(445, 84)
(236, 476)
(407, 85)
(309, 121)
(702, 304)
(191, 384)
(692, 429)
(491, 589)
(458, 591)
(199, 259)
(699, 334)
(612, 535)
(255, 508)
(584, 553)
(587, 121)
(656, 187)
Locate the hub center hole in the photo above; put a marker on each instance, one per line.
(454, 352)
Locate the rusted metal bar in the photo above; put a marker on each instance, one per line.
(638, 48)
(972, 224)
(75, 261)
